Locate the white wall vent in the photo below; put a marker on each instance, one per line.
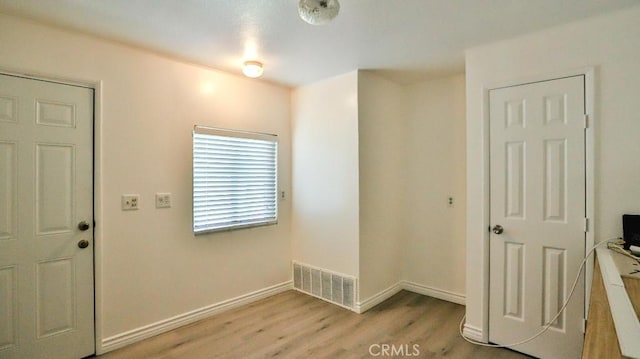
(330, 286)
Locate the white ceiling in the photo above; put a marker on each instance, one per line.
(406, 40)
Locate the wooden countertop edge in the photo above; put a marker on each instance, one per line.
(600, 339)
(612, 331)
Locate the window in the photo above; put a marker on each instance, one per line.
(234, 179)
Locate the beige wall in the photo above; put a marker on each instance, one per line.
(150, 266)
(325, 192)
(381, 123)
(434, 234)
(399, 154)
(610, 44)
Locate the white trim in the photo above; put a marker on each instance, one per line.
(98, 215)
(434, 292)
(589, 98)
(385, 294)
(34, 75)
(147, 331)
(590, 171)
(378, 298)
(473, 333)
(486, 214)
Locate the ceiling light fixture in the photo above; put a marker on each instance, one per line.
(252, 69)
(318, 12)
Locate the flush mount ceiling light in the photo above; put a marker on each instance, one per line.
(252, 69)
(318, 12)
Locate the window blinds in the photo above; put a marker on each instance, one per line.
(234, 179)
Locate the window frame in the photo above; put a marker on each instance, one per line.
(236, 134)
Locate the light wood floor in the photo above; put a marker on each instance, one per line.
(294, 325)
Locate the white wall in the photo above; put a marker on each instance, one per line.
(152, 268)
(325, 191)
(373, 165)
(608, 42)
(434, 233)
(150, 265)
(381, 123)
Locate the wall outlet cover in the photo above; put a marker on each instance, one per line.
(130, 202)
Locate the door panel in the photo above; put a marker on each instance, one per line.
(54, 188)
(55, 114)
(538, 196)
(46, 184)
(555, 186)
(8, 190)
(514, 191)
(8, 307)
(513, 286)
(553, 287)
(55, 305)
(8, 109)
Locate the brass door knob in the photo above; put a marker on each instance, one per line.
(83, 226)
(497, 229)
(83, 244)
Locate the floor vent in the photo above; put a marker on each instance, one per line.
(332, 287)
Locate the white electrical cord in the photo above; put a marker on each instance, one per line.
(619, 249)
(548, 325)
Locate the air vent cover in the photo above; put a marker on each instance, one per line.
(332, 287)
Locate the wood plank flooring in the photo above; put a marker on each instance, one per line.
(295, 325)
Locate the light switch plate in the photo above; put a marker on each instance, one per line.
(163, 200)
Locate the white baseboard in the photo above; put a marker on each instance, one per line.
(147, 331)
(376, 299)
(380, 297)
(433, 292)
(472, 332)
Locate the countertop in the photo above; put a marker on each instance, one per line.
(613, 328)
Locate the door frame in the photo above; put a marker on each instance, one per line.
(589, 97)
(96, 86)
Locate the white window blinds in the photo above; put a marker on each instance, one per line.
(234, 179)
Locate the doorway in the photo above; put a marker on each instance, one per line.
(46, 227)
(538, 199)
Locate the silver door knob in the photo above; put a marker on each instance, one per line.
(497, 229)
(83, 226)
(83, 244)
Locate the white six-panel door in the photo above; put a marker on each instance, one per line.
(46, 191)
(537, 175)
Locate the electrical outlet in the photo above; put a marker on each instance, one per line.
(450, 202)
(163, 200)
(130, 202)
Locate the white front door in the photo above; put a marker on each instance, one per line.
(46, 191)
(537, 175)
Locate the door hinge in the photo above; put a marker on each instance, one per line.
(586, 121)
(586, 225)
(584, 325)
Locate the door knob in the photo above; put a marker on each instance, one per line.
(497, 229)
(83, 226)
(83, 244)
